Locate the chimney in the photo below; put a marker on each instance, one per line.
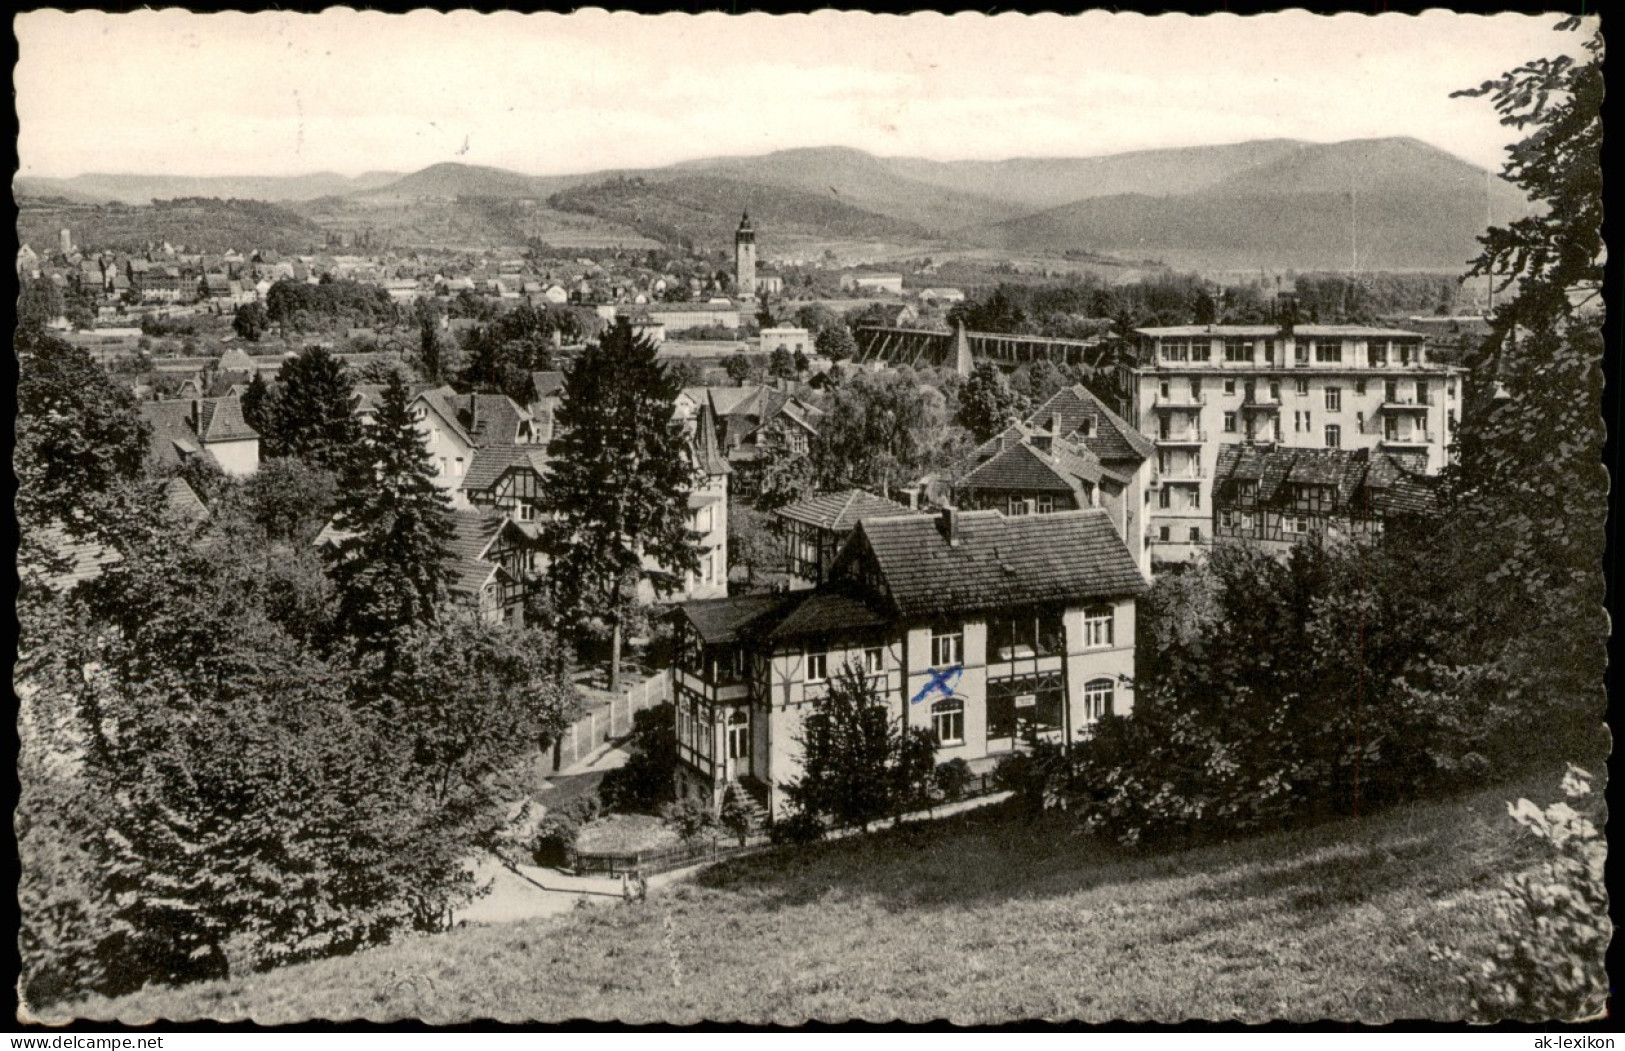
(197, 415)
(949, 524)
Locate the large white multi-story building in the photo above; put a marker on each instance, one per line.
(1193, 388)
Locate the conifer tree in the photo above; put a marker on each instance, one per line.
(390, 567)
(617, 492)
(315, 416)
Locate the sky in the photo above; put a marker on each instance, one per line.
(176, 93)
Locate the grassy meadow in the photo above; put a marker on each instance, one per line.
(980, 918)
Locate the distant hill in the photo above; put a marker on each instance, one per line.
(1270, 203)
(201, 224)
(1045, 182)
(865, 181)
(704, 209)
(1393, 204)
(142, 189)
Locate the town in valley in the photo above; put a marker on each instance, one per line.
(820, 584)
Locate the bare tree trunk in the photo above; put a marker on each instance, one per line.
(615, 656)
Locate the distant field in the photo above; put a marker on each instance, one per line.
(981, 918)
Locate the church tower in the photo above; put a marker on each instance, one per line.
(745, 258)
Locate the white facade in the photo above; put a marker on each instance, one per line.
(1192, 388)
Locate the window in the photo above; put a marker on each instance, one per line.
(702, 520)
(948, 721)
(1196, 388)
(1300, 353)
(1196, 534)
(873, 659)
(1176, 350)
(1165, 498)
(817, 666)
(1405, 353)
(1390, 391)
(1230, 386)
(1022, 702)
(1275, 390)
(1024, 633)
(1359, 386)
(739, 735)
(1422, 395)
(1227, 520)
(947, 647)
(1201, 349)
(1016, 506)
(1376, 353)
(1303, 388)
(1294, 524)
(1098, 621)
(1359, 422)
(1194, 501)
(1163, 390)
(1334, 399)
(443, 465)
(1297, 422)
(1230, 423)
(1238, 350)
(1334, 436)
(1162, 534)
(1308, 423)
(1045, 504)
(1097, 700)
(525, 512)
(1328, 351)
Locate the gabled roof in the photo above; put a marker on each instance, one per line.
(841, 511)
(1114, 438)
(467, 576)
(1396, 482)
(995, 562)
(1024, 468)
(491, 418)
(721, 620)
(443, 400)
(707, 456)
(177, 434)
(547, 384)
(180, 498)
(221, 420)
(473, 533)
(491, 462)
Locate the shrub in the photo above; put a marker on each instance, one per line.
(952, 778)
(797, 829)
(736, 813)
(690, 818)
(555, 839)
(649, 779)
(1549, 962)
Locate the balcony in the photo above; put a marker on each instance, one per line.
(1412, 404)
(1176, 402)
(1190, 475)
(1264, 402)
(1413, 440)
(1189, 436)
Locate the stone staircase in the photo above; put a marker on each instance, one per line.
(754, 795)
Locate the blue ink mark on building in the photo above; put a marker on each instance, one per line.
(942, 681)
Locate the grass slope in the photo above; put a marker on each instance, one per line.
(980, 918)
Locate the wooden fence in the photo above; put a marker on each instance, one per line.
(607, 720)
(650, 862)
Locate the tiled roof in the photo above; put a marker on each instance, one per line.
(236, 360)
(472, 533)
(491, 462)
(1397, 483)
(182, 500)
(81, 559)
(997, 562)
(547, 384)
(707, 456)
(719, 620)
(221, 420)
(826, 612)
(490, 418)
(1114, 438)
(1021, 468)
(466, 576)
(443, 400)
(840, 511)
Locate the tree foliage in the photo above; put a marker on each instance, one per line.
(857, 765)
(648, 780)
(987, 405)
(313, 413)
(390, 566)
(617, 493)
(882, 430)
